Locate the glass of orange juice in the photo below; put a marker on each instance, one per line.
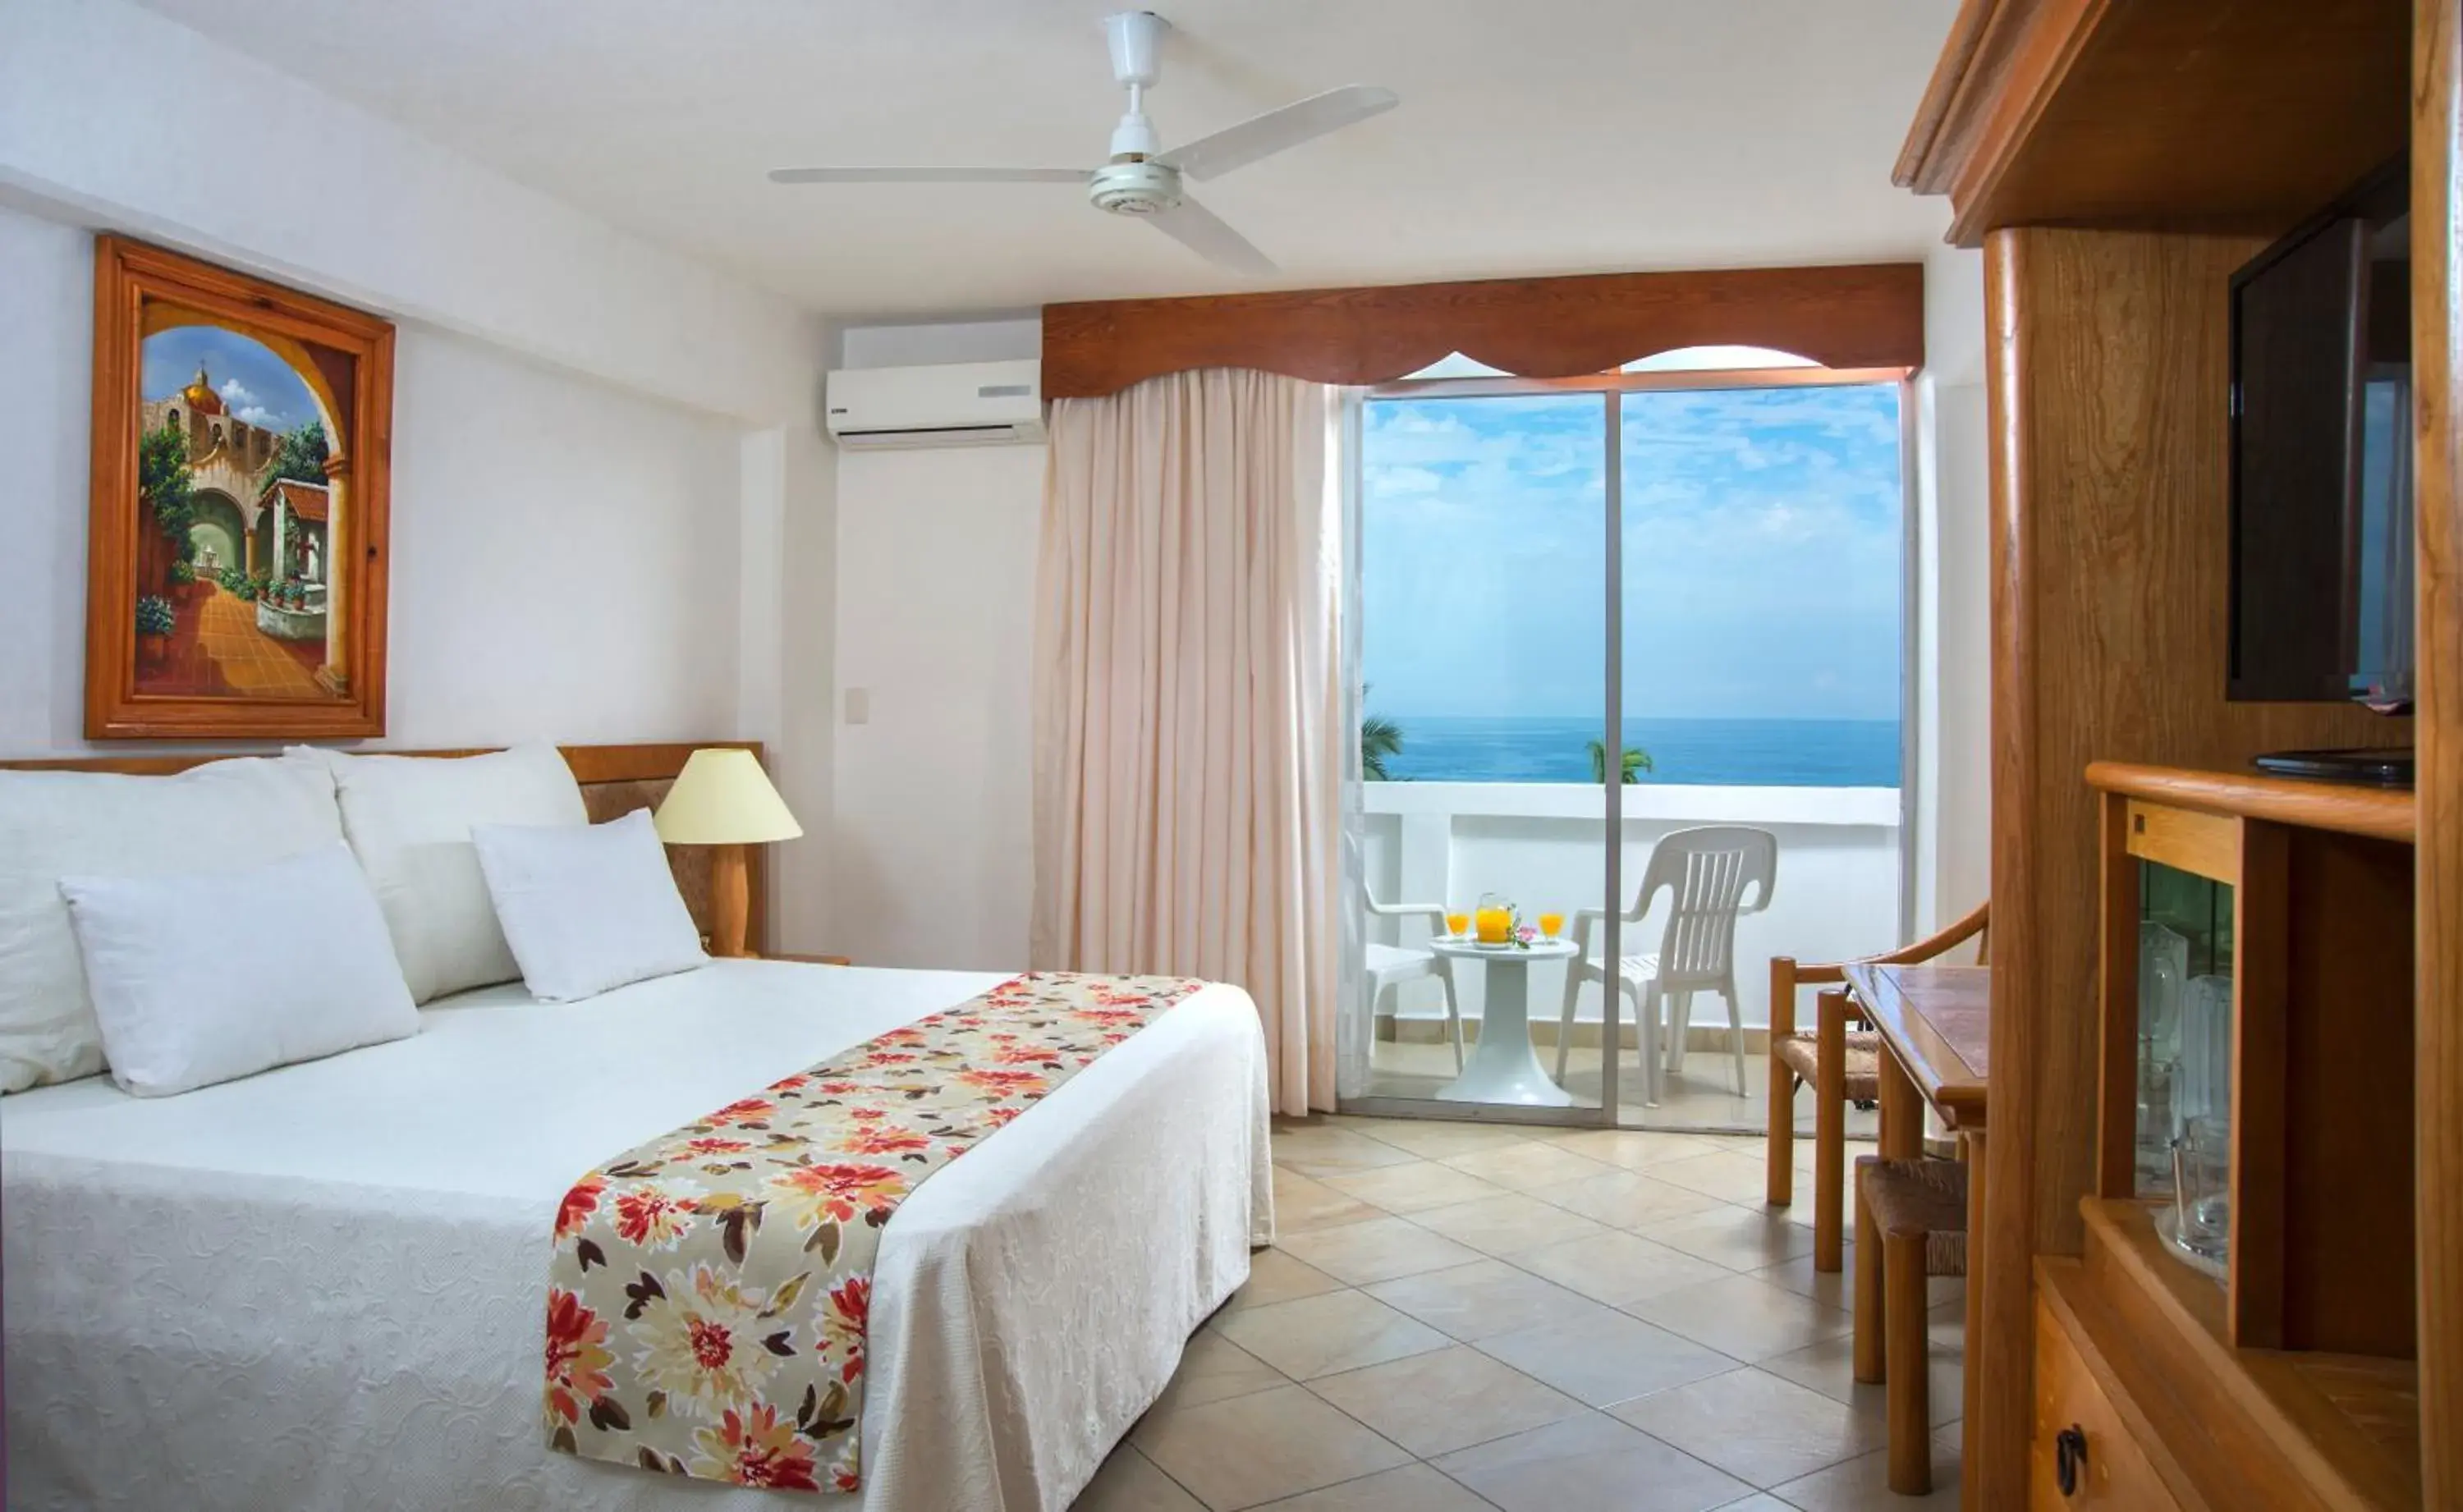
(1551, 925)
(1457, 925)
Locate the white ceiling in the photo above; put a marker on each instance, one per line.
(1535, 136)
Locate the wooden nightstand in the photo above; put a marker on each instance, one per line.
(813, 960)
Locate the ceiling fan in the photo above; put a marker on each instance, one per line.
(1142, 180)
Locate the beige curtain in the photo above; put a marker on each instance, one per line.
(1187, 744)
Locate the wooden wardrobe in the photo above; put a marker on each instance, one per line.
(2117, 161)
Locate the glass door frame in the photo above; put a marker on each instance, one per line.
(1611, 387)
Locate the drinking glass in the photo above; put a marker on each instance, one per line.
(1457, 925)
(2202, 1187)
(1552, 925)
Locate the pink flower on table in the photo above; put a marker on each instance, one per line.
(754, 1448)
(576, 1355)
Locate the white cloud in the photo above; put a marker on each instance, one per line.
(258, 415)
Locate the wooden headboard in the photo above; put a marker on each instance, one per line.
(614, 780)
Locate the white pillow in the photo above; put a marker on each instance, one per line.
(55, 823)
(587, 910)
(205, 976)
(409, 819)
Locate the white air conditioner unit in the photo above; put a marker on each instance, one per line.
(945, 404)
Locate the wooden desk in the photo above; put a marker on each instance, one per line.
(1936, 1022)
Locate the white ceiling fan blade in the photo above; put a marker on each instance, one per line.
(927, 176)
(1274, 131)
(1195, 227)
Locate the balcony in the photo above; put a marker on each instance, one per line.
(1837, 895)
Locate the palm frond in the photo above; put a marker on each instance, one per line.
(1634, 762)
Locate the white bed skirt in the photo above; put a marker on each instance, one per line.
(324, 1288)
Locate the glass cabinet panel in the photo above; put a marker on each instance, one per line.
(2185, 1037)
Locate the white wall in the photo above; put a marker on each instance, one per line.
(613, 511)
(1954, 685)
(936, 618)
(565, 553)
(934, 557)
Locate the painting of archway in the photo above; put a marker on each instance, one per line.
(217, 537)
(238, 566)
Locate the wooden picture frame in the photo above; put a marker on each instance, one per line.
(237, 560)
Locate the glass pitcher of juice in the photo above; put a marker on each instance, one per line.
(1493, 919)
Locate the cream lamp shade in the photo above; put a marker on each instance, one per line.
(723, 797)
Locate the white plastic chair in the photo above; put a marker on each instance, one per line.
(1389, 967)
(1708, 871)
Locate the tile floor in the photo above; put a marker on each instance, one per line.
(1701, 1095)
(1470, 1317)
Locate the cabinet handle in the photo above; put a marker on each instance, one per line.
(2069, 1459)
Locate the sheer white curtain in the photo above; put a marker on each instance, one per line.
(1188, 700)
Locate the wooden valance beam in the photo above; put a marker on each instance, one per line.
(1865, 316)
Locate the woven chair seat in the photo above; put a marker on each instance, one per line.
(1919, 1197)
(1803, 1055)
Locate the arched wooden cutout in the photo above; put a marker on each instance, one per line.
(1863, 316)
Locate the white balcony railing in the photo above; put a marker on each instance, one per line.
(1539, 844)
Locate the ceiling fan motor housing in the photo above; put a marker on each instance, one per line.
(1135, 188)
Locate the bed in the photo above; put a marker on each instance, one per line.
(322, 1286)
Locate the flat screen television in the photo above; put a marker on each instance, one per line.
(2321, 473)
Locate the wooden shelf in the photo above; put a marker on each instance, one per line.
(2235, 1426)
(2379, 814)
(2238, 116)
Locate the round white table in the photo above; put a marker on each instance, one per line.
(1504, 1068)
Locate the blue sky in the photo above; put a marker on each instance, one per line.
(1762, 545)
(256, 386)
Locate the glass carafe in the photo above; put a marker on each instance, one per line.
(2163, 967)
(2183, 1133)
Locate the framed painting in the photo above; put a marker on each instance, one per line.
(237, 558)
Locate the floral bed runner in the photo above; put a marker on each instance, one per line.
(707, 1298)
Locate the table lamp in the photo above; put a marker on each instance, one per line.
(724, 800)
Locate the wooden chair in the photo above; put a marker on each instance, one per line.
(1910, 1225)
(1841, 1065)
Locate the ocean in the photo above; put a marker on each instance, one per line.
(1744, 753)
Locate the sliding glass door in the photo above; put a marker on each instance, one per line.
(1483, 637)
(1591, 614)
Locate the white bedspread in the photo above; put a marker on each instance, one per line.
(322, 1288)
